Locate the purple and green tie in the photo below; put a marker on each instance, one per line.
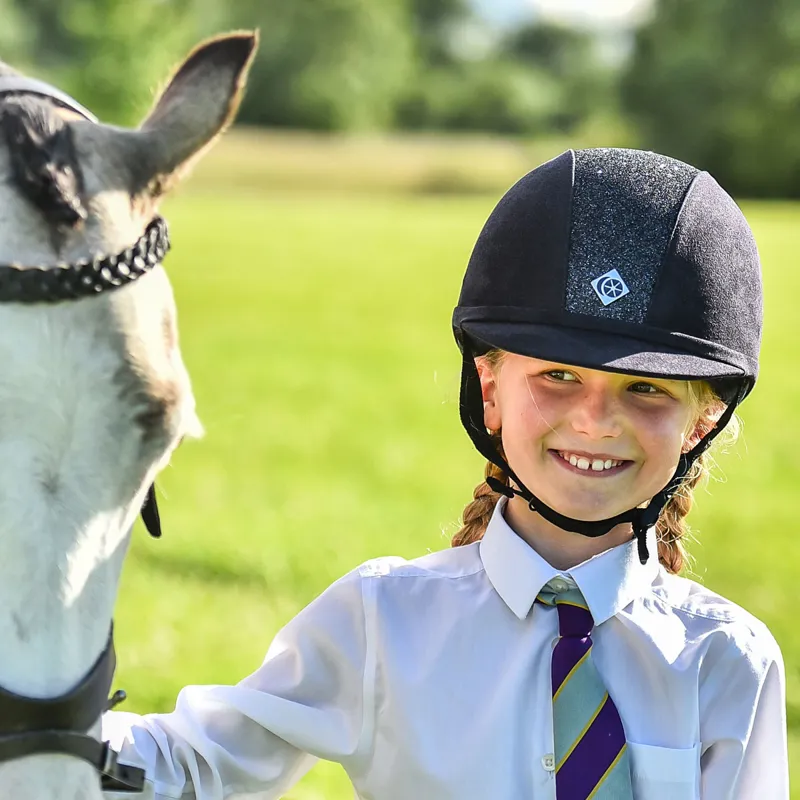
(590, 749)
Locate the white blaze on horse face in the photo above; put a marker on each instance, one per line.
(94, 397)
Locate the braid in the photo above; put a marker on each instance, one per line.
(672, 526)
(477, 514)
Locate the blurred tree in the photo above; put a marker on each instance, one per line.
(433, 22)
(569, 56)
(322, 64)
(536, 79)
(110, 54)
(13, 44)
(326, 64)
(717, 84)
(492, 95)
(431, 96)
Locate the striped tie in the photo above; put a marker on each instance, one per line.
(590, 749)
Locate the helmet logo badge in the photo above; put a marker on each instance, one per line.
(610, 287)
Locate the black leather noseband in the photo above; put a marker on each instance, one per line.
(30, 726)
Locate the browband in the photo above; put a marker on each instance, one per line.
(85, 278)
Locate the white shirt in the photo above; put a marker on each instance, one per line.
(430, 679)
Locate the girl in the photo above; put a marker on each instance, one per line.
(609, 323)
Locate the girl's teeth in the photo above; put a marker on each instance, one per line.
(597, 464)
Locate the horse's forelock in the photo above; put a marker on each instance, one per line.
(44, 163)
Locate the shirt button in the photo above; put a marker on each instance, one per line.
(549, 762)
(559, 585)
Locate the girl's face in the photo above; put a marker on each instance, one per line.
(590, 444)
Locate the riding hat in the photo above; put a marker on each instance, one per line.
(618, 260)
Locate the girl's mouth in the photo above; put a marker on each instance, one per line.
(590, 466)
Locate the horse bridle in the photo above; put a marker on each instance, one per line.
(32, 726)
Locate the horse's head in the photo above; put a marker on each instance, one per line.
(94, 396)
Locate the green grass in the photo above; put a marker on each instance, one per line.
(317, 332)
(425, 163)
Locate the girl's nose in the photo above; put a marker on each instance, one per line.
(597, 414)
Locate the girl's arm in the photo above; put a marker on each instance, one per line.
(308, 700)
(755, 765)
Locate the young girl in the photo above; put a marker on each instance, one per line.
(609, 323)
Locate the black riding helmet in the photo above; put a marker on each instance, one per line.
(617, 260)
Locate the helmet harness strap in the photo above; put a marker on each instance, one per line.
(642, 519)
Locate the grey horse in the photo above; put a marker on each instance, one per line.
(94, 396)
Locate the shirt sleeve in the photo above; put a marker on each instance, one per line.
(745, 753)
(305, 702)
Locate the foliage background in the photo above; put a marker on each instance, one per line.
(715, 83)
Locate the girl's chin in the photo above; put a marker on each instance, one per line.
(585, 512)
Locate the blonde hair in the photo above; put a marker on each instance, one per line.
(671, 528)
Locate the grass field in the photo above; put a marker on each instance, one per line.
(316, 329)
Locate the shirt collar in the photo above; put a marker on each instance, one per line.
(608, 581)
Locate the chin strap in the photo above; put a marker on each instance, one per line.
(641, 519)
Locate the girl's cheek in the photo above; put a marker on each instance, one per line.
(664, 417)
(664, 431)
(538, 404)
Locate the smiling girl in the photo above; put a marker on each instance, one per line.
(609, 324)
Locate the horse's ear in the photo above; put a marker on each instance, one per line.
(198, 103)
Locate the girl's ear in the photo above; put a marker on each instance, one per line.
(491, 407)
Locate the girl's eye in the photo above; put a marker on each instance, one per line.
(560, 375)
(642, 387)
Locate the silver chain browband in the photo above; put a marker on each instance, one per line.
(88, 277)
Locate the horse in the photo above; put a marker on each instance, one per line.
(94, 395)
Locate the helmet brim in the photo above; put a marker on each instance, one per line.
(610, 352)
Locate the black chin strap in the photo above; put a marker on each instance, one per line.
(642, 519)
